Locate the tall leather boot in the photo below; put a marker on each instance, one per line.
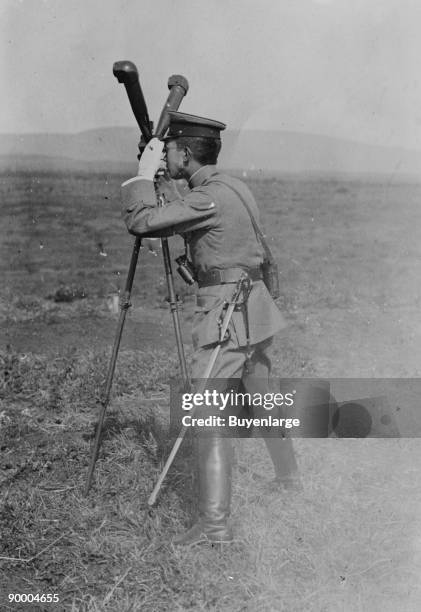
(313, 398)
(214, 471)
(281, 451)
(282, 454)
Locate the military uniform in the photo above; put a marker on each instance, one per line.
(220, 236)
(222, 243)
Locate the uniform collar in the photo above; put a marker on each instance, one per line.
(201, 175)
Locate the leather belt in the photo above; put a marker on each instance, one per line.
(229, 275)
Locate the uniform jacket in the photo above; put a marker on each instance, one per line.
(220, 235)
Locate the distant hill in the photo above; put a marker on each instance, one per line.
(295, 152)
(44, 163)
(106, 144)
(249, 150)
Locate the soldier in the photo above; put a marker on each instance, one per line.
(217, 226)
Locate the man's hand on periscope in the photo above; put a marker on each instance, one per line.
(151, 159)
(166, 187)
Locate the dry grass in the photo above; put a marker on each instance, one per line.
(349, 260)
(346, 543)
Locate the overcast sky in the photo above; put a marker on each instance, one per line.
(334, 67)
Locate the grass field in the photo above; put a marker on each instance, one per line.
(349, 254)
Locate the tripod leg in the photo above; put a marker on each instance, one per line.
(206, 376)
(174, 312)
(180, 438)
(125, 305)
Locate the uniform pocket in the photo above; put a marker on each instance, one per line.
(210, 302)
(208, 299)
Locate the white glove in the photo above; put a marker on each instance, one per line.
(167, 188)
(151, 159)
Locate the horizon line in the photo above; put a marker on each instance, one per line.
(134, 127)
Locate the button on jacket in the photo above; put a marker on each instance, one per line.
(220, 234)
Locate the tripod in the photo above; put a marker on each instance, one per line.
(126, 73)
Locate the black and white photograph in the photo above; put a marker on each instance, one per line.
(210, 306)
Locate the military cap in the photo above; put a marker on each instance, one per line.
(183, 124)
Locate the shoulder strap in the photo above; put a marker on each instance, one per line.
(258, 231)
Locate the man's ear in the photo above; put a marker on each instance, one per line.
(187, 155)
